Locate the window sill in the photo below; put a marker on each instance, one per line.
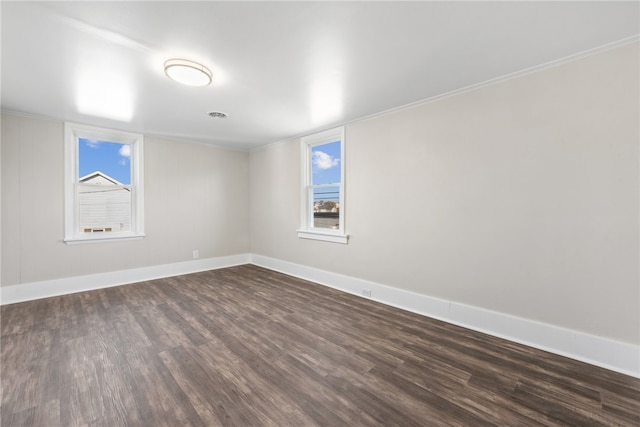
(81, 240)
(323, 236)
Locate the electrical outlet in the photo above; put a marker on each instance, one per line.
(366, 293)
(196, 254)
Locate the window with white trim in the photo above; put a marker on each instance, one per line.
(323, 199)
(104, 188)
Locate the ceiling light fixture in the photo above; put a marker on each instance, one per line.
(187, 72)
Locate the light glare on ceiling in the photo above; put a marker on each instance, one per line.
(105, 92)
(187, 72)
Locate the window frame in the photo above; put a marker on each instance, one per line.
(307, 230)
(73, 132)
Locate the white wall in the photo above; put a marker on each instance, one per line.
(521, 197)
(196, 197)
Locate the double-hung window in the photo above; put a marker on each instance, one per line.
(104, 188)
(322, 195)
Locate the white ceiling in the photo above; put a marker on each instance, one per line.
(281, 69)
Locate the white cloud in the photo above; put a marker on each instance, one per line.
(322, 160)
(125, 150)
(92, 143)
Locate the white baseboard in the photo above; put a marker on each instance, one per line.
(610, 354)
(70, 285)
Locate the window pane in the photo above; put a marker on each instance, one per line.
(325, 164)
(111, 158)
(326, 207)
(103, 208)
(103, 205)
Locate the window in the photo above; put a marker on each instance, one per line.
(104, 189)
(322, 210)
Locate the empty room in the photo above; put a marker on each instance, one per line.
(300, 213)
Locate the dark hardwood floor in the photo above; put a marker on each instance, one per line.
(246, 346)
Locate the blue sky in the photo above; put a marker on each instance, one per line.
(325, 169)
(111, 158)
(325, 160)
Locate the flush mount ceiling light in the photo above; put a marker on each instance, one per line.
(187, 72)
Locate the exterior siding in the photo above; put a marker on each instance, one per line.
(104, 205)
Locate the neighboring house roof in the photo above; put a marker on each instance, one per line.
(96, 177)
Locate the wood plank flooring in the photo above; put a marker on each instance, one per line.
(245, 346)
